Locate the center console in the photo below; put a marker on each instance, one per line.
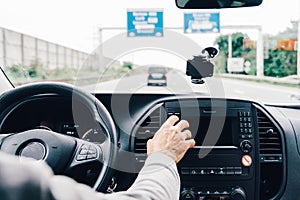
(224, 164)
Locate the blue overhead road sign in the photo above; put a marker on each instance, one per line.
(144, 23)
(202, 22)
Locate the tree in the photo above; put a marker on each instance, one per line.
(279, 63)
(237, 51)
(237, 44)
(282, 63)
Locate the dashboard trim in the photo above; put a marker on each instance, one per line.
(159, 102)
(277, 124)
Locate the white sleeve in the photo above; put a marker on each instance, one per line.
(24, 180)
(158, 180)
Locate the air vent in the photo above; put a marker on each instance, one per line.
(270, 142)
(144, 132)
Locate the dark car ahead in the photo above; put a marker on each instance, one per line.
(157, 76)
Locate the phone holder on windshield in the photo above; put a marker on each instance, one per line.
(201, 66)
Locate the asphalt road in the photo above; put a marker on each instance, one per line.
(177, 82)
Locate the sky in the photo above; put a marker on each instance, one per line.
(75, 23)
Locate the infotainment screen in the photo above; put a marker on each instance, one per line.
(211, 131)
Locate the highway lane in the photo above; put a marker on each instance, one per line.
(263, 92)
(178, 83)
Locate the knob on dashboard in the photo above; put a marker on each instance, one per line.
(246, 146)
(238, 194)
(187, 195)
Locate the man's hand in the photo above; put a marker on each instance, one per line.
(172, 140)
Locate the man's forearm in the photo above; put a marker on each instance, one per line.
(157, 180)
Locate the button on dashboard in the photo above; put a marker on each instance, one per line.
(212, 171)
(230, 170)
(185, 171)
(193, 171)
(202, 171)
(221, 171)
(238, 170)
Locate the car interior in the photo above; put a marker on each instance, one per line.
(245, 149)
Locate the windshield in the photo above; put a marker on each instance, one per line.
(124, 46)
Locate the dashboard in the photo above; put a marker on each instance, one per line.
(244, 150)
(242, 147)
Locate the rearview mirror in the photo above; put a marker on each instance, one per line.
(211, 4)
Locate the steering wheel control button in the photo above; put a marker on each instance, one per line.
(83, 152)
(81, 157)
(247, 161)
(92, 150)
(35, 150)
(87, 152)
(85, 146)
(91, 156)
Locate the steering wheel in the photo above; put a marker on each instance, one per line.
(62, 153)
